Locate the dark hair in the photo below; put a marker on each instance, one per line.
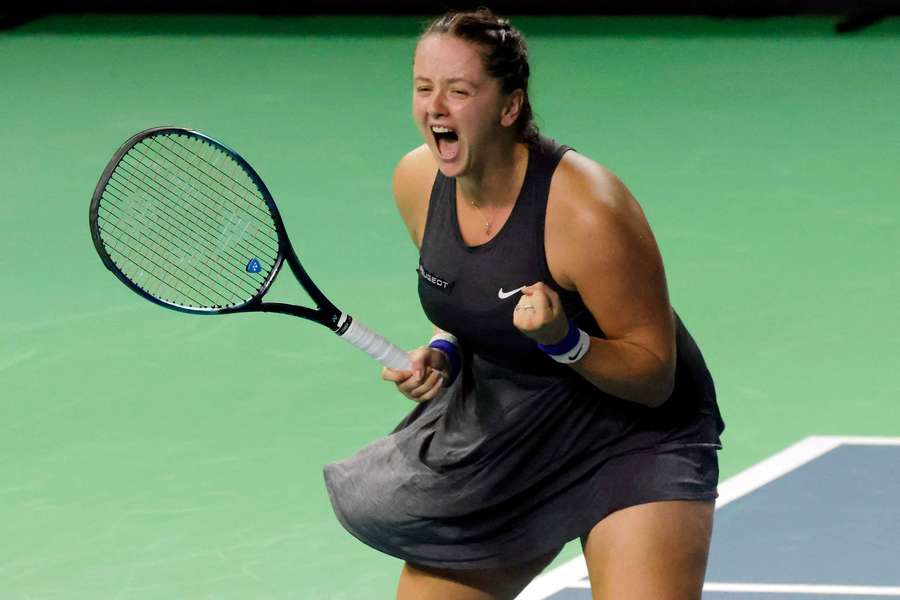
(504, 51)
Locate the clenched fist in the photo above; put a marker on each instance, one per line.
(539, 314)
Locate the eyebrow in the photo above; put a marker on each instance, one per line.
(451, 80)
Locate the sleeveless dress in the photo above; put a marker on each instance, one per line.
(520, 454)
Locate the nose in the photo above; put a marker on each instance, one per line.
(436, 106)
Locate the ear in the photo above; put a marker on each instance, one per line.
(512, 107)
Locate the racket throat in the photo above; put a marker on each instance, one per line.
(325, 315)
(343, 324)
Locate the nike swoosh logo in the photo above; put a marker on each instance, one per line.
(577, 355)
(504, 295)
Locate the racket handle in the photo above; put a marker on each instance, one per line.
(373, 344)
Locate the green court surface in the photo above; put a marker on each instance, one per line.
(147, 454)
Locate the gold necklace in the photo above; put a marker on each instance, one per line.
(487, 224)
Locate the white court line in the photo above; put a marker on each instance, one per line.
(785, 588)
(571, 574)
(779, 588)
(774, 467)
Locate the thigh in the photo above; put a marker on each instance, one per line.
(654, 551)
(427, 583)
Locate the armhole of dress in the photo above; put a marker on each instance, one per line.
(585, 319)
(429, 214)
(542, 225)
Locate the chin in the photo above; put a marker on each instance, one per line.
(453, 168)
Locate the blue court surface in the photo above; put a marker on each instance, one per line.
(819, 520)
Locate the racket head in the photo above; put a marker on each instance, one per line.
(185, 222)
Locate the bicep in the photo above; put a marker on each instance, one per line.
(614, 263)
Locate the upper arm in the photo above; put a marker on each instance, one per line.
(600, 244)
(413, 178)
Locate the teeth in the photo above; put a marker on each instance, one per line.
(438, 129)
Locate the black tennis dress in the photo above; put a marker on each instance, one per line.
(520, 454)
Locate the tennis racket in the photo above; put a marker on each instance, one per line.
(185, 222)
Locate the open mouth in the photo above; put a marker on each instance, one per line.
(446, 140)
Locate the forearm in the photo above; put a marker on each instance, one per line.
(627, 370)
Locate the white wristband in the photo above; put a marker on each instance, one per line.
(577, 352)
(443, 335)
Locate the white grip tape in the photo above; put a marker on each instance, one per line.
(374, 345)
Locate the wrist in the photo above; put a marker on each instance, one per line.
(448, 345)
(560, 330)
(571, 348)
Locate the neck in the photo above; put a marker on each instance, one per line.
(499, 177)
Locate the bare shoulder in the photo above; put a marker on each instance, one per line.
(413, 178)
(592, 218)
(588, 192)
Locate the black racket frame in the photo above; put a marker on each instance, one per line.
(325, 312)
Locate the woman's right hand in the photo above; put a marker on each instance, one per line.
(428, 370)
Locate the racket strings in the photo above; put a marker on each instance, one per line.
(204, 300)
(261, 207)
(192, 222)
(112, 209)
(206, 167)
(175, 218)
(186, 228)
(182, 192)
(150, 250)
(187, 218)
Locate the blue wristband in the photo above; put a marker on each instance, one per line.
(566, 344)
(452, 352)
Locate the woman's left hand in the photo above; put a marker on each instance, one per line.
(539, 314)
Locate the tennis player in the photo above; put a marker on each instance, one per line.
(561, 396)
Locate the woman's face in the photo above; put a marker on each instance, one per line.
(457, 105)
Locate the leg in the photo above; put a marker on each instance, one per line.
(654, 551)
(427, 583)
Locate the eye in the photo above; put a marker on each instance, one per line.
(460, 93)
(423, 89)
